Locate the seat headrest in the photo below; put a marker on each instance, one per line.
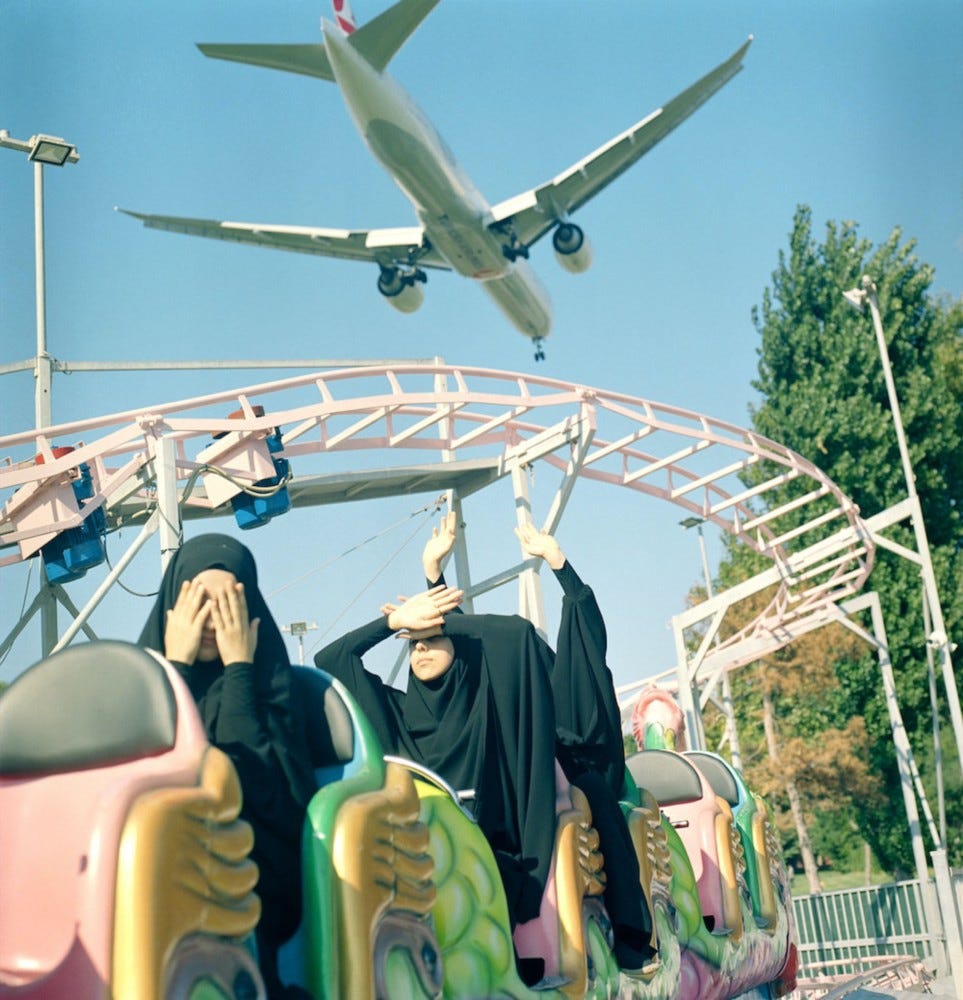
(667, 775)
(330, 730)
(90, 705)
(718, 775)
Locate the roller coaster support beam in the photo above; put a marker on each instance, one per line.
(941, 911)
(165, 473)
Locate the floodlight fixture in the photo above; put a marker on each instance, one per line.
(50, 149)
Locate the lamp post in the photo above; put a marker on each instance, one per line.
(697, 522)
(937, 638)
(299, 629)
(52, 151)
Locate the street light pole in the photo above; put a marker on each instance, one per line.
(937, 638)
(53, 151)
(299, 629)
(44, 369)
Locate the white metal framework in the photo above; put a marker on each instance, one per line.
(466, 427)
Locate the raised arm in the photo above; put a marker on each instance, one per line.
(437, 548)
(589, 727)
(540, 544)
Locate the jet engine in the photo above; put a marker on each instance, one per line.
(401, 288)
(572, 248)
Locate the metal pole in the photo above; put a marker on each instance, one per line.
(937, 741)
(168, 508)
(530, 602)
(938, 637)
(951, 917)
(695, 736)
(42, 407)
(904, 757)
(734, 750)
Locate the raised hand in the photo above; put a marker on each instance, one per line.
(540, 544)
(236, 633)
(185, 623)
(426, 610)
(438, 546)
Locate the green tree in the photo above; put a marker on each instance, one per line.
(822, 394)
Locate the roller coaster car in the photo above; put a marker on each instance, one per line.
(751, 819)
(123, 863)
(703, 824)
(467, 947)
(367, 874)
(124, 868)
(732, 944)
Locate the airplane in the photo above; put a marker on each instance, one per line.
(458, 230)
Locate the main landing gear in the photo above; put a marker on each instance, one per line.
(515, 249)
(539, 353)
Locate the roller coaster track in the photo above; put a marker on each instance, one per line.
(884, 972)
(467, 427)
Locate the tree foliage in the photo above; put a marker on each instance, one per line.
(822, 394)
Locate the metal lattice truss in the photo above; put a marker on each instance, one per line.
(466, 427)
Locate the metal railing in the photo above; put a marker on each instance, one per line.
(838, 931)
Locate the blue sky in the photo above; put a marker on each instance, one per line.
(852, 108)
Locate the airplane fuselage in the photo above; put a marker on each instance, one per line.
(455, 215)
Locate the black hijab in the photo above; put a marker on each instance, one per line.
(274, 679)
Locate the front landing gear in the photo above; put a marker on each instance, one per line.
(539, 353)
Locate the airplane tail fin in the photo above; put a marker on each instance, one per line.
(377, 41)
(344, 17)
(380, 39)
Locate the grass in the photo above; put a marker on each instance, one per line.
(832, 880)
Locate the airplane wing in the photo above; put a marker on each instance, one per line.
(535, 212)
(403, 245)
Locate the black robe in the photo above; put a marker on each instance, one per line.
(587, 718)
(250, 713)
(592, 755)
(486, 725)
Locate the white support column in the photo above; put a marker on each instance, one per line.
(48, 613)
(735, 752)
(165, 473)
(530, 602)
(904, 756)
(688, 702)
(951, 917)
(460, 553)
(572, 471)
(42, 405)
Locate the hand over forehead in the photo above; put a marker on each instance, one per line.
(413, 635)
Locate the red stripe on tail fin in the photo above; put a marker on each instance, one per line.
(344, 16)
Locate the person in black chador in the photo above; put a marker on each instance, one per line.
(589, 745)
(477, 710)
(588, 731)
(211, 622)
